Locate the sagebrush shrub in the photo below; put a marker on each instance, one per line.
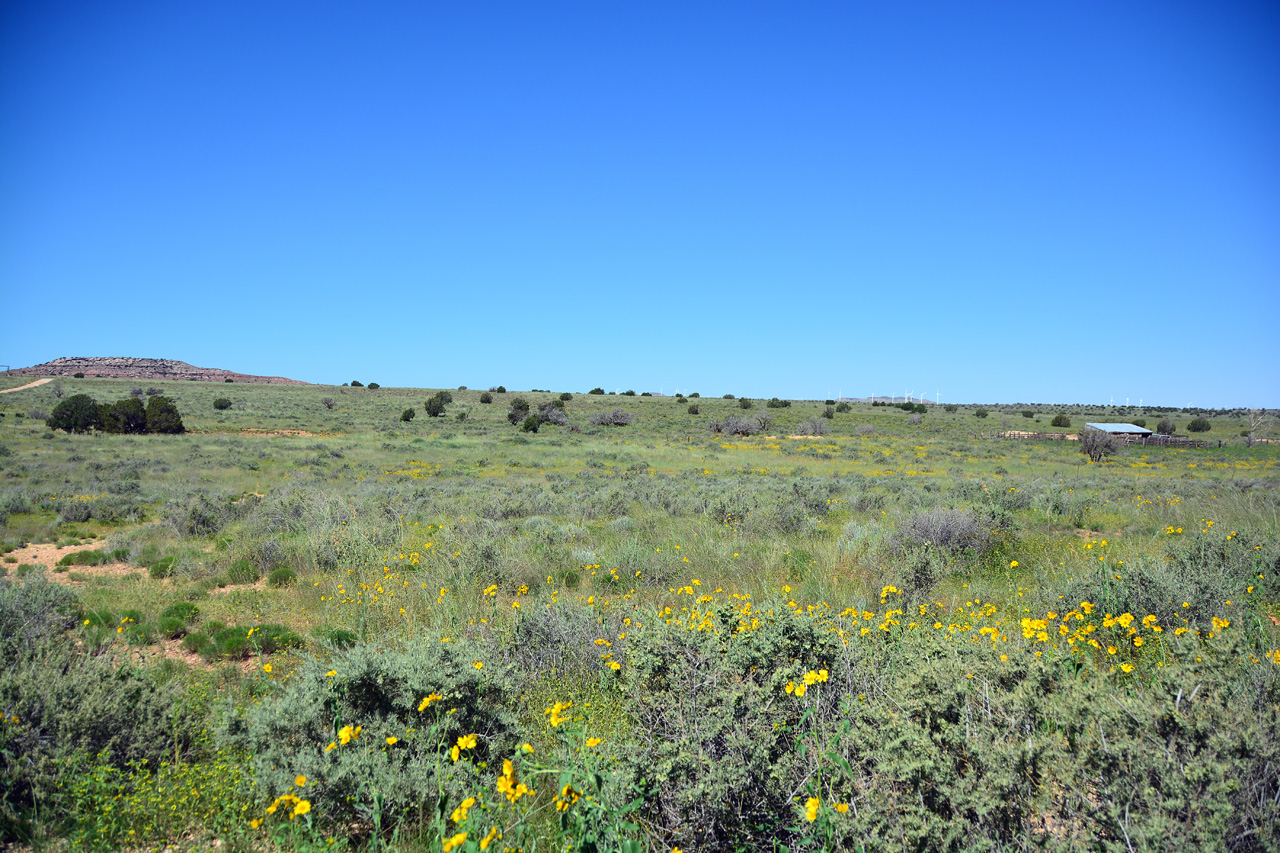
(952, 530)
(714, 729)
(382, 690)
(62, 704)
(617, 417)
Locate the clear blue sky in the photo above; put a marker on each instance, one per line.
(1061, 201)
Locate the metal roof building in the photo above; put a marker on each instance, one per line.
(1121, 429)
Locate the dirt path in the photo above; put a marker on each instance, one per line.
(28, 385)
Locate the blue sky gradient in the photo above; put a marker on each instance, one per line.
(999, 202)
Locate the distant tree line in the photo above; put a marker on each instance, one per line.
(81, 413)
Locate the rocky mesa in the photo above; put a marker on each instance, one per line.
(144, 368)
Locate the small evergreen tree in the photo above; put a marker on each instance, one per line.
(1199, 425)
(486, 397)
(408, 415)
(163, 416)
(356, 384)
(596, 391)
(125, 417)
(221, 404)
(1060, 420)
(373, 386)
(530, 424)
(77, 413)
(518, 411)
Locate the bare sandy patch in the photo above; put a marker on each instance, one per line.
(47, 556)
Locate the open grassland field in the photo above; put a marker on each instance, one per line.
(308, 624)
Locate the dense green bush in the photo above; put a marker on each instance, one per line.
(596, 391)
(356, 384)
(373, 386)
(77, 413)
(693, 409)
(980, 413)
(1199, 425)
(1060, 420)
(745, 403)
(486, 397)
(282, 577)
(842, 408)
(1166, 427)
(124, 417)
(163, 417)
(408, 415)
(222, 403)
(1027, 413)
(1139, 422)
(775, 403)
(950, 409)
(382, 690)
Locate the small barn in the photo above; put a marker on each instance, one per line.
(1126, 431)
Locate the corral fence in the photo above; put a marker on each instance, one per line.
(1154, 440)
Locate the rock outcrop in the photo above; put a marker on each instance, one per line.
(144, 368)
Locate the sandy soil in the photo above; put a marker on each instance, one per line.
(28, 385)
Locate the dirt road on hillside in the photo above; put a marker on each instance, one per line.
(28, 385)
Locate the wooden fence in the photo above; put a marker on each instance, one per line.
(1153, 440)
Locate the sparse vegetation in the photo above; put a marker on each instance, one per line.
(260, 598)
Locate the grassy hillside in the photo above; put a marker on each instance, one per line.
(895, 634)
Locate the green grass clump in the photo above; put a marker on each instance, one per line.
(282, 578)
